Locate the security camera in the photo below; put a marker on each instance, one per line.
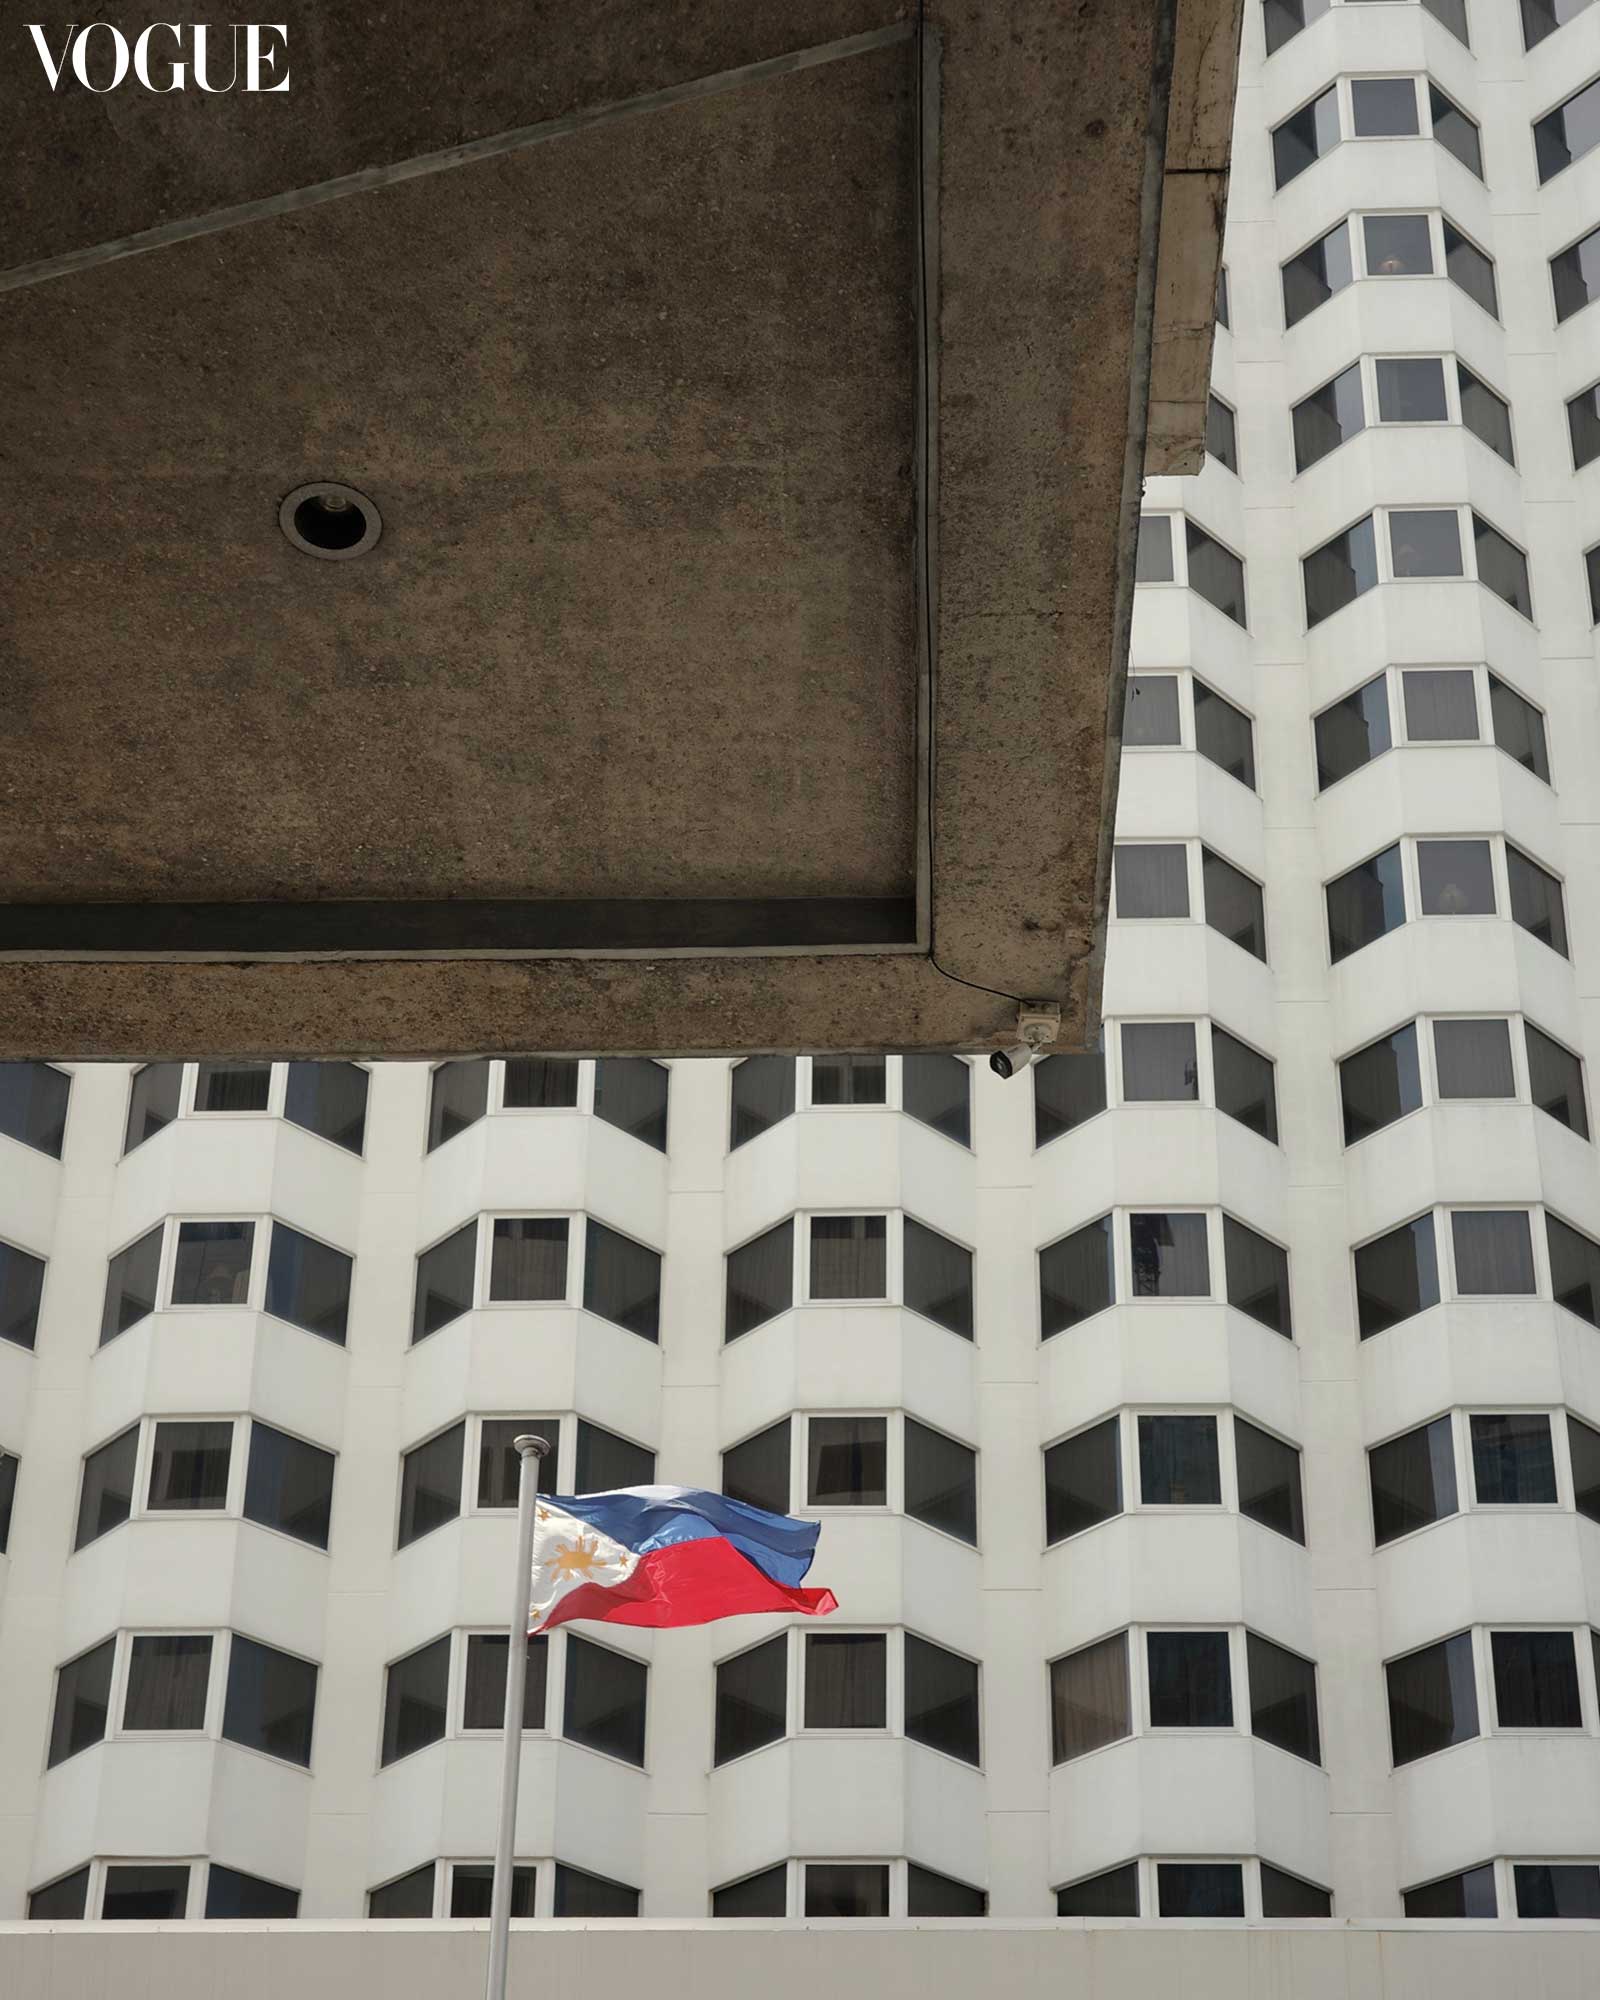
(1011, 1060)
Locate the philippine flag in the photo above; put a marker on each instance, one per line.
(666, 1555)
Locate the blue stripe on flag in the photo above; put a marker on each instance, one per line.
(780, 1546)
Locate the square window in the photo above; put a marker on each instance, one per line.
(763, 1895)
(1398, 246)
(483, 1701)
(1467, 267)
(849, 1257)
(1329, 417)
(1222, 436)
(226, 1086)
(527, 1259)
(472, 1889)
(33, 1105)
(1159, 1063)
(1557, 1889)
(757, 1471)
(1469, 1894)
(630, 1092)
(83, 1702)
(308, 1283)
(605, 1463)
(938, 1278)
(189, 1466)
(1169, 1258)
(941, 1482)
(1574, 1269)
(941, 1699)
(1075, 1277)
(849, 1080)
(1215, 573)
(213, 1264)
(1413, 1481)
(330, 1099)
(752, 1700)
(1441, 707)
(1224, 735)
(1234, 904)
(541, 1083)
(144, 1892)
(458, 1096)
(1519, 728)
(1301, 140)
(430, 1484)
(408, 1896)
(846, 1680)
(1178, 1463)
(579, 1894)
(168, 1673)
(1455, 878)
(1555, 1080)
(1411, 390)
(1384, 107)
(1353, 731)
(414, 1698)
(1090, 1703)
(1113, 1894)
(1150, 712)
(288, 1485)
(500, 1464)
(1494, 1252)
(1152, 880)
(936, 1090)
(1425, 541)
(846, 1459)
(1067, 1090)
(1258, 1276)
(1397, 1275)
(1455, 131)
(1153, 560)
(1283, 1698)
(1536, 900)
(1199, 1889)
(1269, 1481)
(1365, 903)
(763, 1096)
(1473, 1059)
(760, 1281)
(271, 1701)
(153, 1098)
(445, 1276)
(1535, 1680)
(1433, 1699)
(1513, 1461)
(1314, 274)
(1190, 1687)
(847, 1889)
(1083, 1481)
(621, 1280)
(1380, 1083)
(106, 1498)
(1343, 569)
(1502, 566)
(1485, 414)
(21, 1289)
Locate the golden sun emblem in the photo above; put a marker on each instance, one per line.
(575, 1559)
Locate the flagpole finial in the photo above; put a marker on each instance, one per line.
(531, 1447)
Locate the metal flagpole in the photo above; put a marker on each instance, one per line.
(529, 1451)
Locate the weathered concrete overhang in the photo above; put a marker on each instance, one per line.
(753, 398)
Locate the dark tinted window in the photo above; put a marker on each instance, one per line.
(582, 1895)
(106, 1499)
(1152, 880)
(131, 1278)
(1583, 1442)
(1339, 572)
(152, 1101)
(1113, 1894)
(408, 1896)
(1441, 706)
(941, 1699)
(231, 1894)
(1455, 878)
(1178, 1463)
(1315, 273)
(415, 1691)
(847, 1889)
(1284, 1895)
(849, 1257)
(1567, 133)
(83, 1702)
(1090, 1703)
(1224, 734)
(1282, 20)
(849, 1079)
(630, 1092)
(1153, 562)
(1200, 1889)
(1283, 1698)
(1234, 904)
(1411, 390)
(168, 1674)
(1543, 17)
(271, 1701)
(1574, 1269)
(444, 1282)
(527, 1258)
(1258, 1276)
(751, 1699)
(1365, 903)
(289, 1485)
(472, 1890)
(1269, 1480)
(1159, 1063)
(763, 1895)
(846, 1680)
(21, 1288)
(1535, 1680)
(540, 1083)
(1591, 565)
(1222, 436)
(931, 1895)
(938, 1278)
(1467, 266)
(763, 1096)
(1150, 711)
(144, 1892)
(1397, 246)
(1190, 1686)
(757, 1471)
(1380, 1083)
(936, 1090)
(1328, 417)
(1494, 1251)
(1485, 414)
(1396, 1275)
(500, 1466)
(1555, 1080)
(1433, 1700)
(33, 1105)
(1536, 901)
(1222, 296)
(1502, 566)
(1519, 728)
(1557, 1889)
(941, 1481)
(1513, 1461)
(622, 1281)
(1353, 731)
(1473, 1058)
(330, 1099)
(1066, 1091)
(308, 1283)
(1302, 139)
(1075, 1277)
(1575, 275)
(760, 1280)
(1425, 541)
(1383, 107)
(430, 1484)
(189, 1465)
(1215, 572)
(1413, 1480)
(458, 1096)
(605, 1700)
(1470, 1894)
(1455, 131)
(605, 1462)
(846, 1462)
(483, 1704)
(226, 1086)
(1083, 1481)
(1169, 1256)
(57, 1902)
(8, 1493)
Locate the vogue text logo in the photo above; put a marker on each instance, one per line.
(167, 54)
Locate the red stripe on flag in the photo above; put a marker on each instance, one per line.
(687, 1583)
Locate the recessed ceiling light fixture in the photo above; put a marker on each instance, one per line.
(329, 520)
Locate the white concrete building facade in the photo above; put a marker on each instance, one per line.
(1206, 1433)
